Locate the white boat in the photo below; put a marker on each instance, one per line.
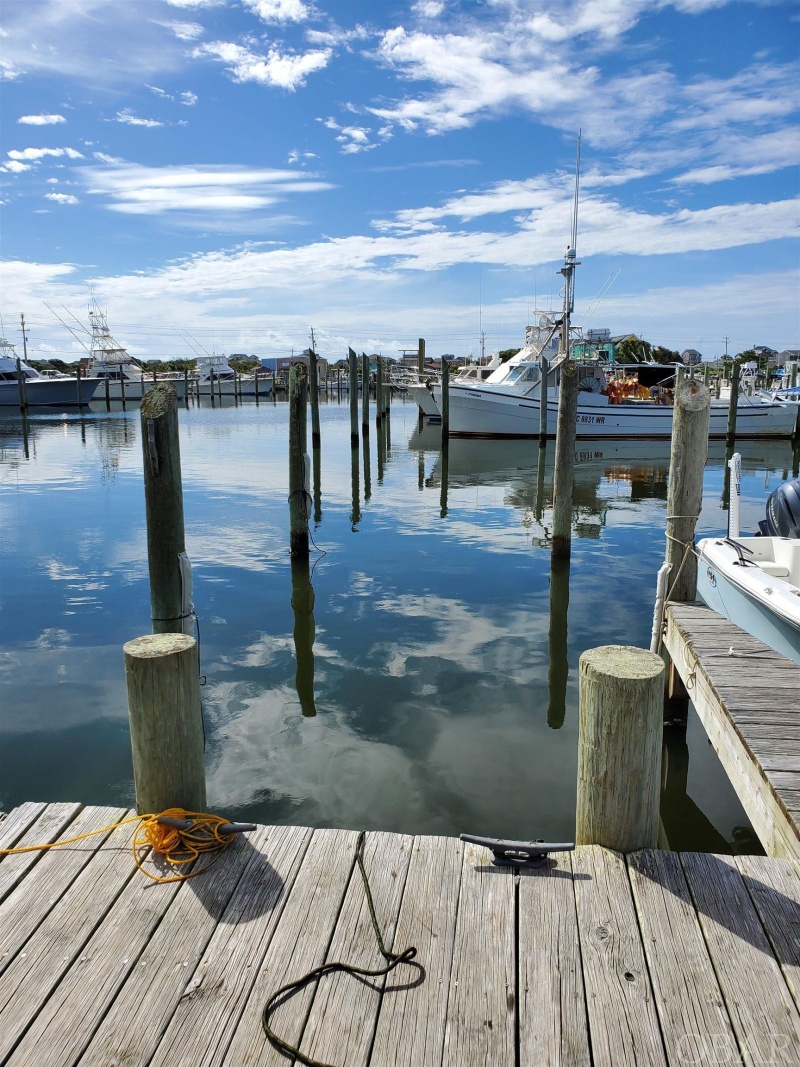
(755, 581)
(217, 373)
(421, 387)
(40, 390)
(127, 378)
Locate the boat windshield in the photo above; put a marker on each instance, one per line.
(525, 372)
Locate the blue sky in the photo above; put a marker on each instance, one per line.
(228, 174)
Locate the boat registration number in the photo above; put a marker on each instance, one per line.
(598, 420)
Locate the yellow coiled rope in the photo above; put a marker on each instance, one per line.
(178, 847)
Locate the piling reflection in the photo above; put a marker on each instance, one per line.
(355, 511)
(538, 509)
(304, 632)
(380, 433)
(444, 472)
(367, 472)
(317, 485)
(558, 670)
(681, 819)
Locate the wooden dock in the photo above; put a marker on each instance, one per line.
(594, 959)
(748, 699)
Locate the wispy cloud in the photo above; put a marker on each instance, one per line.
(138, 190)
(127, 117)
(42, 153)
(62, 198)
(184, 31)
(41, 120)
(285, 70)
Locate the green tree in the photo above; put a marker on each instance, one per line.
(633, 350)
(507, 353)
(665, 355)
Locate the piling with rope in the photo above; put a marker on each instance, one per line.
(688, 454)
(619, 749)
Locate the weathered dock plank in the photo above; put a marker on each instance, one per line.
(553, 1026)
(743, 702)
(761, 1009)
(49, 825)
(774, 888)
(687, 994)
(412, 1019)
(623, 1021)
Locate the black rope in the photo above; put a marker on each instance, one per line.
(393, 959)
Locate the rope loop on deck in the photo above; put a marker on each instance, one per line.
(288, 990)
(178, 847)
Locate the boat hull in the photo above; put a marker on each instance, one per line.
(50, 392)
(246, 387)
(749, 609)
(494, 413)
(135, 390)
(425, 401)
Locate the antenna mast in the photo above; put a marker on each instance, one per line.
(570, 262)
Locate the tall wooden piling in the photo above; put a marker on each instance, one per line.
(564, 470)
(23, 396)
(688, 455)
(379, 390)
(619, 749)
(730, 432)
(313, 371)
(166, 722)
(445, 405)
(353, 368)
(421, 358)
(298, 461)
(186, 386)
(364, 393)
(543, 401)
(170, 576)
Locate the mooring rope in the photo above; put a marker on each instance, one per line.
(393, 959)
(178, 847)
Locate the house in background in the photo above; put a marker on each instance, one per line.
(691, 357)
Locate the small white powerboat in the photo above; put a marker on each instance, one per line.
(755, 581)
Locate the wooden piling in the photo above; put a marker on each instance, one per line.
(378, 391)
(445, 405)
(353, 368)
(107, 390)
(78, 384)
(364, 393)
(619, 750)
(421, 358)
(688, 455)
(730, 432)
(23, 396)
(165, 715)
(313, 372)
(122, 389)
(298, 460)
(564, 470)
(543, 401)
(186, 385)
(170, 582)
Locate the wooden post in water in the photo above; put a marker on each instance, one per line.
(364, 393)
(685, 491)
(166, 722)
(718, 386)
(445, 406)
(353, 368)
(122, 388)
(619, 748)
(421, 358)
(543, 401)
(730, 432)
(107, 389)
(23, 396)
(298, 462)
(564, 469)
(78, 384)
(170, 577)
(379, 391)
(186, 386)
(313, 372)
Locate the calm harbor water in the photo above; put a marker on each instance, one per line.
(425, 681)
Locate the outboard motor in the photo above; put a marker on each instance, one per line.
(783, 511)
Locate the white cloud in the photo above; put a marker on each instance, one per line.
(188, 98)
(196, 3)
(41, 120)
(285, 70)
(41, 153)
(296, 156)
(428, 9)
(138, 190)
(13, 166)
(62, 198)
(127, 117)
(279, 10)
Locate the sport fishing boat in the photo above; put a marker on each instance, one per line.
(127, 378)
(40, 390)
(755, 581)
(215, 374)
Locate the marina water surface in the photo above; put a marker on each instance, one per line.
(421, 677)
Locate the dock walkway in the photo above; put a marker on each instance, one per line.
(656, 958)
(748, 699)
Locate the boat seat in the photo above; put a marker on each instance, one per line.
(774, 570)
